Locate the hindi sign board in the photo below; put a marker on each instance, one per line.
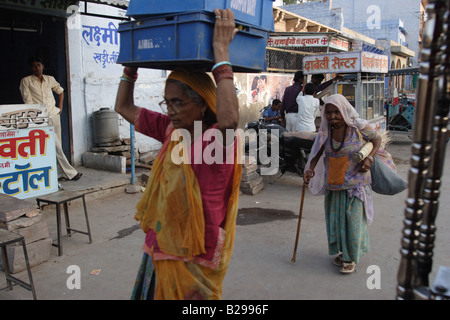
(22, 116)
(375, 63)
(28, 162)
(348, 62)
(298, 41)
(308, 41)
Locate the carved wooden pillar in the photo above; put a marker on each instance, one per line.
(431, 193)
(425, 171)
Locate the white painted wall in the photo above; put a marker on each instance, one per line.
(94, 79)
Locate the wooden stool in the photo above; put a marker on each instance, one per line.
(61, 198)
(7, 238)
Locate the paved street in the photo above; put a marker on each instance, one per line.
(261, 266)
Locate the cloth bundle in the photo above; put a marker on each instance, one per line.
(385, 179)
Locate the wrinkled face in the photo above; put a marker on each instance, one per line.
(181, 109)
(334, 116)
(37, 68)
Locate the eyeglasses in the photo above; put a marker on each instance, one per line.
(175, 104)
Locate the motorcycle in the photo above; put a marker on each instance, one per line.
(293, 147)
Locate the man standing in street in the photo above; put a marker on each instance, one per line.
(37, 89)
(308, 109)
(289, 107)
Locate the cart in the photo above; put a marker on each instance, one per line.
(362, 83)
(400, 106)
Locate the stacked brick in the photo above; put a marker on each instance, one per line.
(251, 181)
(25, 219)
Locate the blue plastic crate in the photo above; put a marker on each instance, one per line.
(254, 12)
(185, 40)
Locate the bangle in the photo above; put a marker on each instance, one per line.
(218, 64)
(223, 72)
(127, 79)
(370, 158)
(132, 76)
(312, 171)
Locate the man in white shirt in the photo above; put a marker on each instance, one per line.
(308, 109)
(37, 89)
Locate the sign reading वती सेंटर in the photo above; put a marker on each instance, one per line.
(349, 62)
(28, 162)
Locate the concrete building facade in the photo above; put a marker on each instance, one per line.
(399, 21)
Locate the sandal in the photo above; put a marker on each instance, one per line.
(77, 177)
(348, 267)
(338, 260)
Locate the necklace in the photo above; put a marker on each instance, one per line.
(343, 139)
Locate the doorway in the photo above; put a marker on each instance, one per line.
(22, 36)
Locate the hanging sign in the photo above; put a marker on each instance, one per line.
(298, 41)
(308, 41)
(376, 63)
(348, 62)
(28, 162)
(22, 116)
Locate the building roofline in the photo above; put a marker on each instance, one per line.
(295, 23)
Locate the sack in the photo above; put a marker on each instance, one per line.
(385, 180)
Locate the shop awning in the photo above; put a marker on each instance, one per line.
(57, 8)
(399, 72)
(122, 4)
(50, 8)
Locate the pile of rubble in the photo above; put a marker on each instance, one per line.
(116, 157)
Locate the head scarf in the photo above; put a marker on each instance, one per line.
(200, 82)
(351, 118)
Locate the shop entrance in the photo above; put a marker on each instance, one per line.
(23, 35)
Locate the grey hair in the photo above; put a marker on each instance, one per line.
(209, 116)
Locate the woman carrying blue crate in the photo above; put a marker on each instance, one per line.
(189, 207)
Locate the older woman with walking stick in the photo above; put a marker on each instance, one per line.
(333, 171)
(188, 210)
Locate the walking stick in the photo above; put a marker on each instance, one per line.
(299, 221)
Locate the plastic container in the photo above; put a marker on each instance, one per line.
(106, 127)
(185, 40)
(255, 12)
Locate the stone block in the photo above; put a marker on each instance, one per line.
(249, 176)
(104, 162)
(251, 190)
(21, 222)
(12, 208)
(248, 160)
(252, 183)
(148, 157)
(34, 232)
(38, 252)
(119, 148)
(246, 169)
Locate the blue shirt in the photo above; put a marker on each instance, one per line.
(270, 113)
